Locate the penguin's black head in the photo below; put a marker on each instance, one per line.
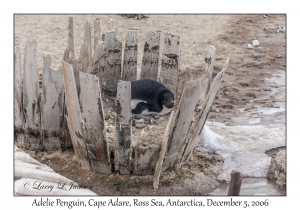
(167, 99)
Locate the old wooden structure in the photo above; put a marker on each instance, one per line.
(68, 109)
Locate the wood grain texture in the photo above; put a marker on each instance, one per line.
(73, 116)
(18, 105)
(99, 62)
(97, 33)
(170, 62)
(150, 62)
(80, 58)
(200, 121)
(162, 152)
(51, 106)
(112, 66)
(87, 48)
(74, 63)
(235, 183)
(123, 142)
(183, 123)
(69, 52)
(18, 115)
(94, 124)
(130, 55)
(209, 65)
(31, 106)
(146, 156)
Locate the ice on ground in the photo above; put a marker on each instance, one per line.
(243, 147)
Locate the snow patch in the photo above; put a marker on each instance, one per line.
(243, 147)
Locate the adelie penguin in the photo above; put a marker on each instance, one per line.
(147, 97)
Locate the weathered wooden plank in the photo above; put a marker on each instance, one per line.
(123, 128)
(146, 156)
(31, 107)
(18, 116)
(112, 65)
(69, 52)
(209, 65)
(188, 77)
(80, 58)
(73, 116)
(138, 73)
(162, 152)
(94, 124)
(235, 183)
(149, 68)
(98, 62)
(97, 33)
(98, 67)
(51, 106)
(66, 137)
(66, 141)
(130, 55)
(184, 119)
(170, 62)
(200, 121)
(87, 49)
(74, 64)
(18, 106)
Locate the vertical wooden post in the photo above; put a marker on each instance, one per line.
(183, 119)
(209, 65)
(69, 57)
(97, 33)
(94, 124)
(73, 118)
(74, 64)
(123, 148)
(130, 55)
(145, 158)
(149, 68)
(100, 69)
(87, 49)
(31, 106)
(51, 106)
(80, 58)
(66, 137)
(113, 54)
(235, 183)
(170, 62)
(18, 106)
(69, 52)
(200, 121)
(162, 153)
(98, 63)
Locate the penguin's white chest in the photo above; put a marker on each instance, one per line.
(164, 111)
(134, 102)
